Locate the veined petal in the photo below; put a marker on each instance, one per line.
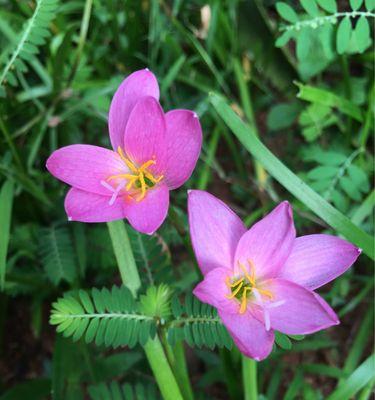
(268, 243)
(300, 312)
(214, 229)
(84, 166)
(145, 134)
(136, 85)
(184, 141)
(90, 207)
(214, 291)
(317, 259)
(147, 215)
(249, 334)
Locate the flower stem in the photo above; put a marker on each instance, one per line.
(124, 255)
(249, 378)
(130, 278)
(162, 370)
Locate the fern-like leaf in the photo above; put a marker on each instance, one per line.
(57, 254)
(109, 318)
(152, 257)
(115, 391)
(34, 34)
(316, 26)
(198, 324)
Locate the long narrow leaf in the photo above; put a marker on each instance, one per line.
(290, 181)
(6, 201)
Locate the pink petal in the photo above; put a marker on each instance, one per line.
(136, 85)
(84, 167)
(301, 311)
(317, 259)
(268, 243)
(248, 334)
(214, 291)
(214, 229)
(147, 215)
(145, 134)
(90, 207)
(184, 141)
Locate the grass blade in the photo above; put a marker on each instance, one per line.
(6, 201)
(290, 181)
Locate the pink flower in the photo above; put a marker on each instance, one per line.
(262, 279)
(152, 154)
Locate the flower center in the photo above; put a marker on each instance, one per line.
(245, 286)
(139, 179)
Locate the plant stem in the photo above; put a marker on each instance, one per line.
(130, 277)
(82, 40)
(176, 358)
(247, 106)
(124, 255)
(249, 378)
(162, 370)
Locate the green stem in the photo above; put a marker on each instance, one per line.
(130, 277)
(247, 106)
(249, 378)
(124, 255)
(82, 40)
(162, 370)
(176, 359)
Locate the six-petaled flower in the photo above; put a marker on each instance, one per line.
(262, 279)
(153, 154)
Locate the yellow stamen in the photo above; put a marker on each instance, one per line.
(266, 293)
(241, 287)
(248, 277)
(139, 174)
(244, 300)
(234, 293)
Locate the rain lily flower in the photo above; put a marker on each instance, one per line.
(152, 154)
(263, 279)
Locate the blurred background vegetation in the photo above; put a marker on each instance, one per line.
(301, 76)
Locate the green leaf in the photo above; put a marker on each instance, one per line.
(370, 5)
(355, 4)
(303, 43)
(198, 324)
(107, 317)
(344, 32)
(290, 181)
(310, 7)
(322, 172)
(282, 116)
(284, 38)
(349, 188)
(359, 178)
(33, 389)
(6, 202)
(57, 254)
(286, 12)
(328, 5)
(356, 381)
(283, 341)
(327, 98)
(362, 34)
(25, 45)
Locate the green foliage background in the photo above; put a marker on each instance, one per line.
(299, 74)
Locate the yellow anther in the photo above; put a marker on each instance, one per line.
(252, 271)
(234, 284)
(248, 277)
(266, 293)
(139, 174)
(244, 300)
(146, 165)
(235, 292)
